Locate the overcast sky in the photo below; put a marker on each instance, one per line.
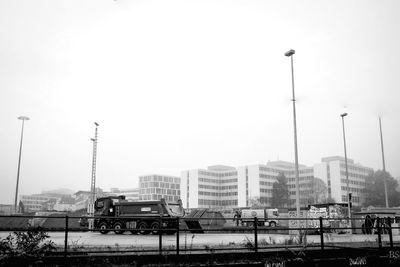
(178, 85)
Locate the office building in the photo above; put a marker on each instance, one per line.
(332, 170)
(229, 187)
(155, 187)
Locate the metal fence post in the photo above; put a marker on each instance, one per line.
(160, 235)
(66, 236)
(177, 235)
(389, 222)
(255, 235)
(378, 224)
(321, 231)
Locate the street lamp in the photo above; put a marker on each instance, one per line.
(23, 118)
(347, 171)
(290, 54)
(384, 167)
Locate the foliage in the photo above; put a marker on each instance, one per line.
(280, 192)
(255, 203)
(29, 244)
(375, 190)
(319, 191)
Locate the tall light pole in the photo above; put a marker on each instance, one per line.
(384, 167)
(290, 54)
(92, 198)
(23, 118)
(347, 170)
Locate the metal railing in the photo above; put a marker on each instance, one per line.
(298, 229)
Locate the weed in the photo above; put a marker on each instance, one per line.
(248, 244)
(76, 246)
(25, 245)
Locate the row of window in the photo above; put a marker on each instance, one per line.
(159, 184)
(218, 174)
(217, 194)
(354, 199)
(211, 202)
(158, 197)
(363, 170)
(266, 176)
(158, 178)
(344, 181)
(354, 190)
(214, 187)
(160, 191)
(217, 181)
(354, 175)
(266, 183)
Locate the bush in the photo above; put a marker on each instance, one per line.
(25, 246)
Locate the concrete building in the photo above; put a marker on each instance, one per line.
(155, 187)
(130, 193)
(332, 170)
(39, 202)
(256, 181)
(216, 186)
(228, 187)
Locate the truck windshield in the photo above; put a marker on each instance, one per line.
(99, 204)
(175, 209)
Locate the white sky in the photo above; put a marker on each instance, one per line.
(177, 85)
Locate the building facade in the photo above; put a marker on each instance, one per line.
(216, 186)
(155, 187)
(229, 187)
(332, 170)
(38, 202)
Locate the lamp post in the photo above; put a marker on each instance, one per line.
(23, 118)
(347, 170)
(384, 167)
(290, 54)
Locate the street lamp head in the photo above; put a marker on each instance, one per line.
(343, 115)
(96, 124)
(290, 53)
(24, 118)
(92, 139)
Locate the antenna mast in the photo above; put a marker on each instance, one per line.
(92, 198)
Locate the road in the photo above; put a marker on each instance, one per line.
(208, 240)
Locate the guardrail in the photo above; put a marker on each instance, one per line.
(296, 229)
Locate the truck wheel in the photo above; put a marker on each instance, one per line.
(103, 226)
(155, 226)
(272, 224)
(142, 226)
(118, 228)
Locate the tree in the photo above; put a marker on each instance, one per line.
(319, 191)
(255, 203)
(375, 190)
(280, 192)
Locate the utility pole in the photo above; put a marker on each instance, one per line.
(92, 198)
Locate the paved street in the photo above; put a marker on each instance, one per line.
(188, 240)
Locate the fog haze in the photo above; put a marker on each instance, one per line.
(178, 85)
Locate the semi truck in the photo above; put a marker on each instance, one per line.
(265, 217)
(115, 213)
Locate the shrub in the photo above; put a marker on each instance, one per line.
(30, 245)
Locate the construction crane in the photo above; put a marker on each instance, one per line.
(92, 197)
